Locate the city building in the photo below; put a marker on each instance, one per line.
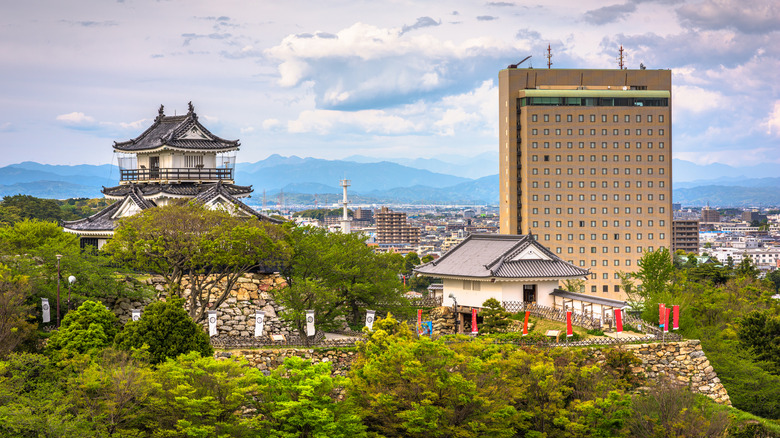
(392, 228)
(176, 157)
(585, 165)
(709, 215)
(685, 236)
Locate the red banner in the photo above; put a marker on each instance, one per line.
(419, 321)
(619, 320)
(667, 312)
(569, 331)
(525, 324)
(675, 317)
(661, 314)
(473, 321)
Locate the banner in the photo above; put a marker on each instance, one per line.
(212, 322)
(661, 314)
(569, 330)
(675, 317)
(473, 321)
(665, 325)
(419, 321)
(370, 314)
(46, 310)
(135, 314)
(259, 323)
(619, 321)
(310, 323)
(525, 323)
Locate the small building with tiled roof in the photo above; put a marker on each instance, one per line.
(176, 157)
(509, 268)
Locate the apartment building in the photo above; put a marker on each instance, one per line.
(392, 228)
(585, 165)
(685, 236)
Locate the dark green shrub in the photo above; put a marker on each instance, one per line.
(88, 329)
(168, 331)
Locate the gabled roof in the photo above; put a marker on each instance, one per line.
(105, 220)
(219, 193)
(176, 132)
(187, 189)
(500, 256)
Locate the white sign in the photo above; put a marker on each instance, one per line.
(46, 309)
(310, 323)
(212, 322)
(259, 322)
(370, 314)
(136, 314)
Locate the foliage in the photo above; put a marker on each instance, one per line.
(494, 318)
(30, 207)
(574, 285)
(87, 330)
(298, 399)
(212, 249)
(344, 264)
(167, 330)
(427, 258)
(760, 332)
(655, 272)
(774, 277)
(746, 269)
(321, 213)
(304, 295)
(15, 314)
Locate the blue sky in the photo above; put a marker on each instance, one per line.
(399, 79)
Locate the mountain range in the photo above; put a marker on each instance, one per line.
(458, 180)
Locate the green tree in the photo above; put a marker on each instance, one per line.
(655, 272)
(760, 332)
(746, 268)
(87, 330)
(305, 294)
(494, 318)
(411, 261)
(427, 258)
(774, 277)
(30, 207)
(211, 249)
(15, 314)
(574, 285)
(168, 331)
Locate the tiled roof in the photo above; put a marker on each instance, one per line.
(170, 131)
(490, 256)
(588, 298)
(219, 189)
(100, 221)
(182, 189)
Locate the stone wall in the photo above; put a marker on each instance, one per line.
(682, 362)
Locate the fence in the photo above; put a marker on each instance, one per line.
(426, 302)
(577, 318)
(318, 341)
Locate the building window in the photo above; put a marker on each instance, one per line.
(568, 118)
(534, 118)
(546, 117)
(649, 118)
(593, 289)
(193, 161)
(661, 118)
(546, 132)
(660, 132)
(534, 132)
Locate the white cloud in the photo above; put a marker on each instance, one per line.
(369, 121)
(732, 157)
(772, 122)
(271, 123)
(697, 100)
(247, 130)
(138, 125)
(76, 118)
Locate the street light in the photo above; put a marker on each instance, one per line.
(71, 280)
(455, 310)
(58, 289)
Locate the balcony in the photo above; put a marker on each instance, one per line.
(175, 174)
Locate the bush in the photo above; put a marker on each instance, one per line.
(88, 329)
(168, 331)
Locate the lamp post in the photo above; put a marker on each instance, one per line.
(71, 280)
(58, 289)
(455, 310)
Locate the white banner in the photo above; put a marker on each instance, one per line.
(310, 323)
(370, 319)
(259, 323)
(212, 322)
(46, 310)
(136, 314)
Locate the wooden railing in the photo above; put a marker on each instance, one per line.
(176, 174)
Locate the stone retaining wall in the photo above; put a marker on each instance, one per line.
(268, 359)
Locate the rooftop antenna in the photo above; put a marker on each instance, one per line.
(620, 58)
(515, 65)
(549, 57)
(345, 225)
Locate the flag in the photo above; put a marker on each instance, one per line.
(619, 320)
(46, 310)
(212, 322)
(310, 323)
(135, 314)
(473, 321)
(665, 325)
(525, 323)
(259, 323)
(661, 314)
(370, 314)
(675, 317)
(569, 330)
(419, 321)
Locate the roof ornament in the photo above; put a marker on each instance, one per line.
(190, 107)
(160, 113)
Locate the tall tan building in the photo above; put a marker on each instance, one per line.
(586, 165)
(392, 228)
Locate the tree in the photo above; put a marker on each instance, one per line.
(746, 268)
(344, 264)
(760, 332)
(88, 329)
(655, 272)
(306, 294)
(168, 331)
(574, 285)
(494, 318)
(14, 312)
(411, 261)
(774, 277)
(212, 249)
(30, 207)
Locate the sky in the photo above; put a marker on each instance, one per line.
(391, 79)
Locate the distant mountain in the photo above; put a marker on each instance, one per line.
(727, 196)
(471, 167)
(686, 171)
(50, 190)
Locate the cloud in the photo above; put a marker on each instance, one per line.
(421, 23)
(734, 157)
(697, 100)
(471, 111)
(609, 14)
(772, 122)
(247, 130)
(189, 37)
(324, 122)
(269, 124)
(746, 16)
(499, 4)
(6, 127)
(76, 118)
(369, 67)
(486, 18)
(107, 23)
